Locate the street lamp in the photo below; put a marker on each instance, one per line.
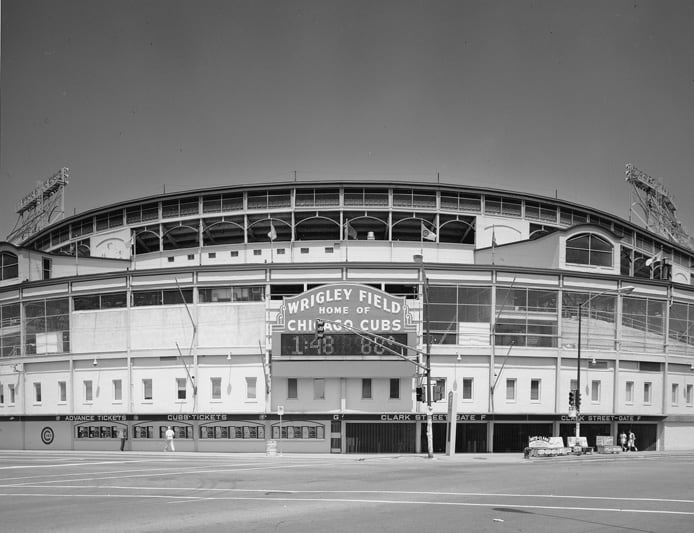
(427, 339)
(623, 290)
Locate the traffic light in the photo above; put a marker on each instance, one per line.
(320, 328)
(572, 398)
(420, 394)
(578, 401)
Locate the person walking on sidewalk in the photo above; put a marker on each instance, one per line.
(631, 443)
(123, 436)
(169, 440)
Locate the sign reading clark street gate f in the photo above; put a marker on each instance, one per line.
(344, 308)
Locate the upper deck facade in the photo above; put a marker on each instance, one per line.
(283, 223)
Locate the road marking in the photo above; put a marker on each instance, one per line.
(193, 499)
(272, 492)
(394, 492)
(149, 473)
(61, 465)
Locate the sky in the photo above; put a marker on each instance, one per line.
(548, 97)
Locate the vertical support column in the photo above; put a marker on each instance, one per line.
(343, 395)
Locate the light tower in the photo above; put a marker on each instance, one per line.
(656, 208)
(41, 207)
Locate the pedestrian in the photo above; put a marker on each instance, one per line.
(123, 436)
(631, 442)
(623, 441)
(169, 440)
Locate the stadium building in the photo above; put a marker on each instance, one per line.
(199, 310)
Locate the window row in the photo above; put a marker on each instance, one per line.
(457, 314)
(335, 198)
(251, 293)
(235, 432)
(89, 390)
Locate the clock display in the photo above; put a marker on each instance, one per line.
(340, 344)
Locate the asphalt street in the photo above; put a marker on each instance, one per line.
(146, 492)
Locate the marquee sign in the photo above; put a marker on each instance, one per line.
(344, 308)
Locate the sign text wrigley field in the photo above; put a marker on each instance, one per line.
(356, 306)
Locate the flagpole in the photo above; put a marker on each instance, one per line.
(133, 240)
(272, 234)
(493, 242)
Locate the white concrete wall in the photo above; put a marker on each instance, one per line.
(678, 436)
(231, 325)
(160, 326)
(99, 331)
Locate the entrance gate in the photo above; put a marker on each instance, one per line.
(514, 437)
(380, 438)
(469, 438)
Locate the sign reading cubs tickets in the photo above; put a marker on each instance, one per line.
(344, 308)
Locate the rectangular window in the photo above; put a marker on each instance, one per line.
(630, 392)
(104, 301)
(11, 393)
(366, 389)
(251, 393)
(114, 301)
(216, 384)
(10, 326)
(250, 293)
(394, 388)
(511, 390)
(181, 388)
(62, 391)
(467, 388)
(526, 317)
(647, 387)
(117, 390)
(47, 326)
(177, 296)
(690, 395)
(46, 268)
(82, 303)
(534, 390)
(37, 392)
(162, 297)
(319, 389)
(88, 394)
(147, 389)
(595, 391)
(2, 394)
(292, 389)
(675, 393)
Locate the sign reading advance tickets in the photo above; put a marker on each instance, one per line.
(343, 307)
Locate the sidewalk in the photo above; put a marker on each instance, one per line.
(440, 457)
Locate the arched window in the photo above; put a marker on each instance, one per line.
(589, 249)
(9, 266)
